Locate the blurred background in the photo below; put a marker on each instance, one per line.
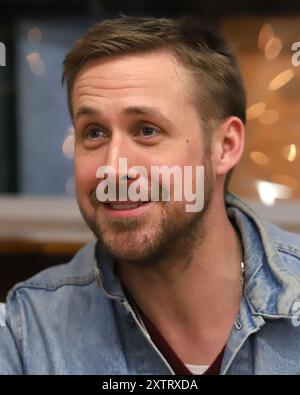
(40, 224)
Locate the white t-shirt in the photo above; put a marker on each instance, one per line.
(197, 369)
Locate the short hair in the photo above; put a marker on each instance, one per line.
(219, 86)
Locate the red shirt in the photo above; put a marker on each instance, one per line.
(169, 354)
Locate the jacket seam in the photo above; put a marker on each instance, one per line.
(288, 249)
(282, 249)
(68, 281)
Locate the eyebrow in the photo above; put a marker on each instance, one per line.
(133, 110)
(142, 110)
(86, 111)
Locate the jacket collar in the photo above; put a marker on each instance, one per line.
(106, 274)
(270, 289)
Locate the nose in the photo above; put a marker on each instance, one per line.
(123, 162)
(118, 152)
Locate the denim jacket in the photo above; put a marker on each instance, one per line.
(75, 319)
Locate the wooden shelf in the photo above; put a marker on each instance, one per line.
(44, 248)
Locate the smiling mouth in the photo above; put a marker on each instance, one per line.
(125, 205)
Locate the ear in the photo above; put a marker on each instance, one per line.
(228, 145)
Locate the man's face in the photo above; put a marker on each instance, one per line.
(136, 107)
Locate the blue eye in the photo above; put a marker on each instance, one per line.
(95, 133)
(148, 131)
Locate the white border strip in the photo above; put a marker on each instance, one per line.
(283, 212)
(42, 219)
(58, 219)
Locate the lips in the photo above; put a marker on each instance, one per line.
(127, 209)
(126, 205)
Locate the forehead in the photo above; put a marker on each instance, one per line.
(156, 72)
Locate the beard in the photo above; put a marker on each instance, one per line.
(150, 239)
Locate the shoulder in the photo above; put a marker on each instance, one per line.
(287, 245)
(52, 293)
(283, 238)
(78, 271)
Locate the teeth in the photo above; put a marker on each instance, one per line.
(120, 206)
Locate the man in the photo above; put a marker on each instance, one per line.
(163, 290)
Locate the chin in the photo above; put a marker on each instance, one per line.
(132, 246)
(130, 255)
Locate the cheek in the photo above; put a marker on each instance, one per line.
(85, 173)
